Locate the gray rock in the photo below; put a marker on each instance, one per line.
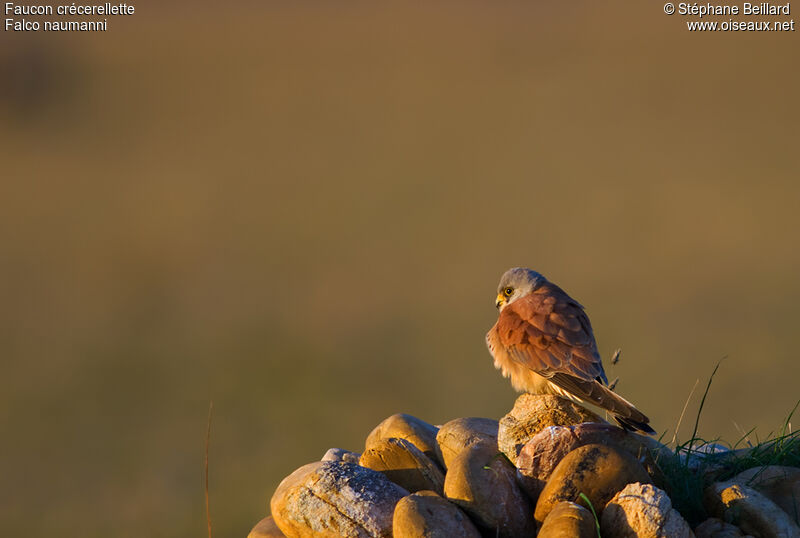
(327, 499)
(706, 457)
(643, 510)
(779, 484)
(716, 528)
(339, 454)
(749, 510)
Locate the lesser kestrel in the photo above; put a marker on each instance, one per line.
(544, 342)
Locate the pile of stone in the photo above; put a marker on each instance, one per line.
(548, 468)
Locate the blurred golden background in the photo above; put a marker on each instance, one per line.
(301, 211)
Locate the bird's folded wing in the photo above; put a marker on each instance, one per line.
(549, 333)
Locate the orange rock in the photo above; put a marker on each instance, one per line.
(482, 482)
(597, 471)
(401, 426)
(534, 412)
(426, 515)
(462, 433)
(404, 464)
(568, 519)
(540, 456)
(266, 528)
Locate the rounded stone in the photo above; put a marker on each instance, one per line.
(427, 515)
(266, 528)
(643, 510)
(339, 454)
(596, 471)
(748, 509)
(778, 483)
(404, 464)
(401, 426)
(326, 499)
(714, 527)
(568, 519)
(482, 482)
(539, 457)
(462, 433)
(534, 412)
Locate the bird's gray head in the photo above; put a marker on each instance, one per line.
(515, 283)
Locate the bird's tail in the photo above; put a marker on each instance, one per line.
(633, 425)
(594, 392)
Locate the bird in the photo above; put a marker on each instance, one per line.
(543, 342)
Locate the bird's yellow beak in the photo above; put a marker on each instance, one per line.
(500, 300)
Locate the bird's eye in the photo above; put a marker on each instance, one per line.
(508, 292)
